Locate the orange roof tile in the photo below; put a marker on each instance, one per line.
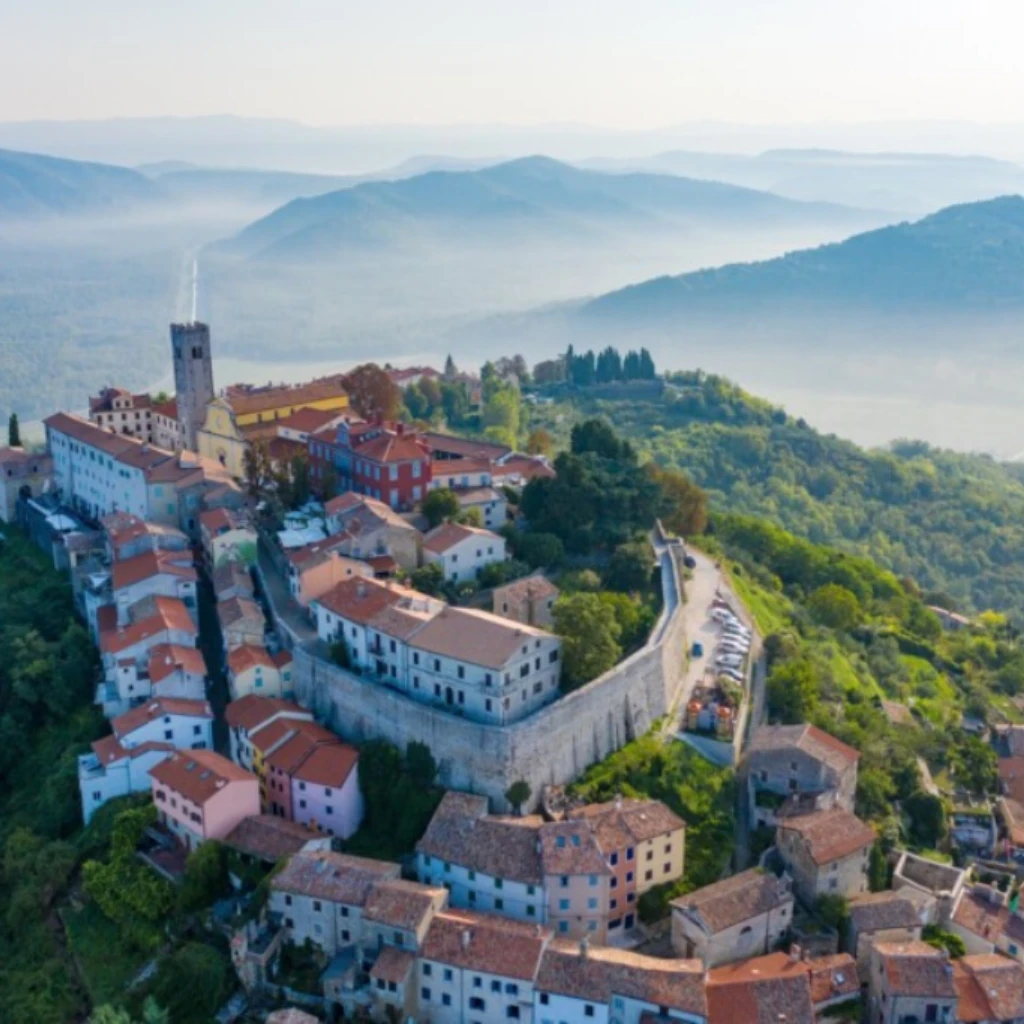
(166, 659)
(252, 710)
(830, 835)
(128, 571)
(169, 614)
(199, 774)
(126, 724)
(248, 656)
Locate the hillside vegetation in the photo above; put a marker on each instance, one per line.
(953, 523)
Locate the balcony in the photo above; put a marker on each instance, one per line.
(89, 768)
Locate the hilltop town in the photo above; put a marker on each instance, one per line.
(389, 709)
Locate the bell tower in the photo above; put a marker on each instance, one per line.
(193, 378)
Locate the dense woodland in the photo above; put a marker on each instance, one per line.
(951, 522)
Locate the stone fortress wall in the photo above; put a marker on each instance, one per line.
(553, 746)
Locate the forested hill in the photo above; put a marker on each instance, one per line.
(969, 256)
(33, 186)
(952, 522)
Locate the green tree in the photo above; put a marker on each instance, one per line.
(635, 619)
(257, 470)
(878, 869)
(470, 517)
(541, 550)
(832, 910)
(372, 393)
(206, 878)
(540, 442)
(927, 817)
(975, 765)
(192, 983)
(518, 794)
(13, 431)
(439, 505)
(631, 567)
(834, 606)
(792, 692)
(428, 579)
(941, 939)
(589, 635)
(340, 655)
(685, 511)
(420, 763)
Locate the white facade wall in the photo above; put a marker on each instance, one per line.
(474, 890)
(464, 560)
(453, 995)
(329, 925)
(93, 481)
(550, 1008)
(163, 584)
(185, 732)
(98, 783)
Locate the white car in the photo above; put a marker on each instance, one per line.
(733, 674)
(728, 661)
(738, 649)
(735, 629)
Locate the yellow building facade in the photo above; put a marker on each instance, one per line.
(234, 418)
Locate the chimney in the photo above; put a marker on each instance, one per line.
(795, 953)
(465, 937)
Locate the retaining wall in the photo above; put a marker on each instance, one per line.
(553, 746)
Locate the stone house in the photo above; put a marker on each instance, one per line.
(241, 622)
(232, 580)
(989, 989)
(22, 474)
(368, 528)
(789, 988)
(887, 916)
(398, 913)
(826, 853)
(582, 876)
(942, 883)
(985, 922)
(462, 552)
(530, 601)
(476, 967)
(177, 672)
(319, 896)
(787, 760)
(742, 916)
(910, 981)
(577, 983)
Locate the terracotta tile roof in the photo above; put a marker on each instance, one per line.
(736, 899)
(328, 765)
(605, 972)
(571, 848)
(219, 520)
(269, 837)
(169, 409)
(989, 987)
(337, 877)
(401, 623)
(443, 468)
(122, 527)
(293, 752)
(393, 447)
(363, 507)
(400, 904)
(830, 835)
(1011, 774)
(524, 467)
(166, 659)
(478, 496)
(169, 613)
(393, 965)
(360, 600)
(408, 373)
(239, 609)
(88, 433)
(534, 588)
(463, 447)
(109, 749)
(248, 656)
(282, 659)
(308, 421)
(1013, 818)
(810, 739)
(245, 400)
(638, 821)
(18, 456)
(126, 724)
(767, 989)
(266, 738)
(382, 564)
(460, 832)
(448, 535)
(282, 449)
(128, 571)
(232, 575)
(476, 637)
(980, 915)
(916, 969)
(251, 711)
(490, 945)
(878, 911)
(199, 774)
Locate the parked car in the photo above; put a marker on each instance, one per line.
(697, 650)
(729, 660)
(736, 629)
(734, 674)
(729, 648)
(690, 562)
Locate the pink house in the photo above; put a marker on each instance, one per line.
(200, 795)
(313, 778)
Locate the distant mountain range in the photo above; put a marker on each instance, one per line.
(967, 257)
(531, 199)
(913, 183)
(34, 186)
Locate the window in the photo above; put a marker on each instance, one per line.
(564, 882)
(563, 904)
(592, 903)
(495, 986)
(543, 999)
(588, 1010)
(563, 926)
(427, 969)
(302, 804)
(499, 904)
(476, 1003)
(447, 974)
(511, 988)
(531, 910)
(302, 785)
(613, 859)
(629, 876)
(613, 883)
(931, 1012)
(648, 875)
(317, 906)
(560, 842)
(498, 883)
(197, 730)
(287, 901)
(328, 809)
(168, 734)
(478, 982)
(592, 881)
(512, 1012)
(398, 938)
(425, 994)
(667, 868)
(446, 1000)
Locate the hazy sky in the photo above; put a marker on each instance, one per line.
(622, 63)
